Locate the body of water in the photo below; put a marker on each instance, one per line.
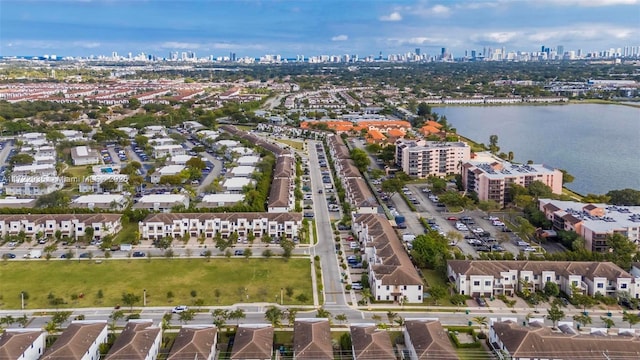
(598, 144)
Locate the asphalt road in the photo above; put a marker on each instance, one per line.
(8, 145)
(333, 289)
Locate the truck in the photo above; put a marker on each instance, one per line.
(408, 237)
(33, 254)
(126, 247)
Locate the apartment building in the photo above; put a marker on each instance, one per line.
(157, 226)
(23, 344)
(84, 155)
(423, 158)
(535, 341)
(80, 340)
(392, 276)
(160, 151)
(100, 201)
(139, 340)
(490, 278)
(162, 202)
(426, 339)
(93, 183)
(31, 188)
(69, 225)
(491, 177)
(195, 342)
(594, 222)
(168, 170)
(39, 171)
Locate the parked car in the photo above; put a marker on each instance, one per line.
(179, 309)
(357, 286)
(8, 256)
(481, 302)
(238, 252)
(138, 254)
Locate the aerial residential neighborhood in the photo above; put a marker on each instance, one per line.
(322, 207)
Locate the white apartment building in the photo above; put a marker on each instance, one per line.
(594, 222)
(164, 171)
(93, 183)
(161, 202)
(392, 276)
(423, 158)
(160, 151)
(84, 155)
(70, 225)
(100, 201)
(161, 225)
(490, 278)
(41, 171)
(490, 177)
(32, 188)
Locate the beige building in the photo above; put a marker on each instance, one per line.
(491, 177)
(423, 158)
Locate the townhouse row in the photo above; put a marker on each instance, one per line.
(392, 275)
(490, 278)
(357, 191)
(68, 225)
(208, 225)
(141, 340)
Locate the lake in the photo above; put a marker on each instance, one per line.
(598, 144)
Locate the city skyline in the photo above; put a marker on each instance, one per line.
(255, 28)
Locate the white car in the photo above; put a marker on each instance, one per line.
(179, 309)
(529, 248)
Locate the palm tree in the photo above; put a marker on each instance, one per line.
(632, 319)
(341, 318)
(391, 315)
(582, 319)
(274, 315)
(323, 313)
(482, 321)
(291, 316)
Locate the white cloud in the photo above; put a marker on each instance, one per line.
(179, 45)
(394, 16)
(592, 3)
(423, 10)
(440, 10)
(417, 40)
(341, 37)
(500, 37)
(87, 44)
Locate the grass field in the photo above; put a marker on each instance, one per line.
(294, 144)
(217, 282)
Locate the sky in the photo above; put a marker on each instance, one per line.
(312, 27)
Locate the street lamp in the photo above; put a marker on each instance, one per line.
(144, 297)
(281, 296)
(22, 299)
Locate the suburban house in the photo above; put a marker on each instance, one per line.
(423, 158)
(312, 339)
(100, 201)
(84, 155)
(157, 226)
(370, 343)
(518, 342)
(181, 159)
(491, 177)
(216, 200)
(392, 276)
(236, 185)
(242, 171)
(594, 222)
(128, 131)
(166, 171)
(93, 183)
(14, 202)
(81, 340)
(195, 342)
(490, 278)
(139, 340)
(22, 344)
(69, 225)
(427, 339)
(160, 151)
(161, 202)
(248, 160)
(73, 135)
(253, 342)
(155, 131)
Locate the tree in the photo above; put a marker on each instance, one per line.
(341, 318)
(186, 316)
(237, 315)
(539, 189)
(582, 319)
(555, 314)
(424, 110)
(56, 199)
(608, 322)
(291, 316)
(551, 289)
(437, 292)
(566, 177)
(287, 245)
(625, 197)
(621, 250)
(488, 206)
(21, 159)
(360, 159)
(130, 299)
(133, 103)
(323, 313)
(274, 316)
(391, 315)
(196, 163)
(493, 144)
(115, 316)
(631, 318)
(60, 317)
(392, 186)
(220, 316)
(482, 321)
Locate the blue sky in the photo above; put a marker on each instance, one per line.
(311, 27)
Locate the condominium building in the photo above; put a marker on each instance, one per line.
(491, 177)
(161, 225)
(594, 222)
(69, 225)
(423, 158)
(490, 278)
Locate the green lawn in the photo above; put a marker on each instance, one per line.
(473, 354)
(294, 144)
(226, 278)
(433, 278)
(78, 171)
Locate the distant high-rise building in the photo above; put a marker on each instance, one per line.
(560, 51)
(473, 54)
(418, 51)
